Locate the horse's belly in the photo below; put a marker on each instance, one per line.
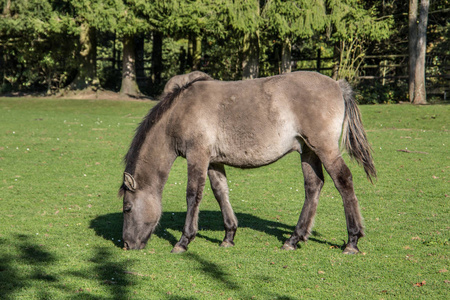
(247, 151)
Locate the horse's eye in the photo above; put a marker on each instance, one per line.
(127, 208)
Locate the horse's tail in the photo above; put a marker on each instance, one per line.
(354, 137)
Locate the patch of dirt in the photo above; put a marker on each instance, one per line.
(98, 94)
(86, 94)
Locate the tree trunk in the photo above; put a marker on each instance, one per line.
(195, 52)
(114, 51)
(336, 60)
(157, 65)
(420, 96)
(140, 65)
(286, 56)
(250, 60)
(7, 8)
(412, 44)
(87, 74)
(129, 84)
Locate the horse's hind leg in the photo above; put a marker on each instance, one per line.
(343, 181)
(218, 180)
(313, 175)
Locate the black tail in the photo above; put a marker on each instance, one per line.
(354, 137)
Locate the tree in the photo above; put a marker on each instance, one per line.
(350, 28)
(131, 24)
(87, 58)
(47, 44)
(250, 55)
(82, 20)
(293, 21)
(417, 50)
(236, 26)
(173, 18)
(129, 84)
(189, 20)
(248, 12)
(79, 15)
(34, 46)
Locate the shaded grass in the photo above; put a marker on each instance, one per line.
(61, 167)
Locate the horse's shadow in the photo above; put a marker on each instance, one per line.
(213, 221)
(109, 227)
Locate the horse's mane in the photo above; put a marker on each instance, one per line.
(153, 116)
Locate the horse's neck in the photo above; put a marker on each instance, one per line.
(155, 159)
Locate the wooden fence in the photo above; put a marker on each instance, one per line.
(386, 69)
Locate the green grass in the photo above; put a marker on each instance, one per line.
(60, 218)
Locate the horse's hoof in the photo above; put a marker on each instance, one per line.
(350, 250)
(287, 246)
(226, 244)
(178, 249)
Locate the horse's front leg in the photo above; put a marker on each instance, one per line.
(219, 185)
(194, 194)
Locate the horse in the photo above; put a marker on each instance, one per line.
(244, 124)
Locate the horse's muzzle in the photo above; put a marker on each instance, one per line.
(133, 246)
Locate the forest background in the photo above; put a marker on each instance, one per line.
(135, 46)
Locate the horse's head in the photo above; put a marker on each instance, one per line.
(141, 213)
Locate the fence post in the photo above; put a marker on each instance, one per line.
(114, 51)
(318, 60)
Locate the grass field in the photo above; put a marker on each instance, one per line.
(60, 228)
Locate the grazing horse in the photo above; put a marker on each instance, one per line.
(244, 124)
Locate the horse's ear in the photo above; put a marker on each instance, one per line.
(129, 181)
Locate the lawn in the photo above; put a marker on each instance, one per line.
(60, 230)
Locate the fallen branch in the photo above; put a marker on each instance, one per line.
(408, 151)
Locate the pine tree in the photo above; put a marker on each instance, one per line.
(293, 21)
(83, 20)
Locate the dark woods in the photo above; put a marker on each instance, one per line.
(47, 46)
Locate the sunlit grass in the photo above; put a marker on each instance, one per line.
(60, 230)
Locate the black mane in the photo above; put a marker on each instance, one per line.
(153, 116)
